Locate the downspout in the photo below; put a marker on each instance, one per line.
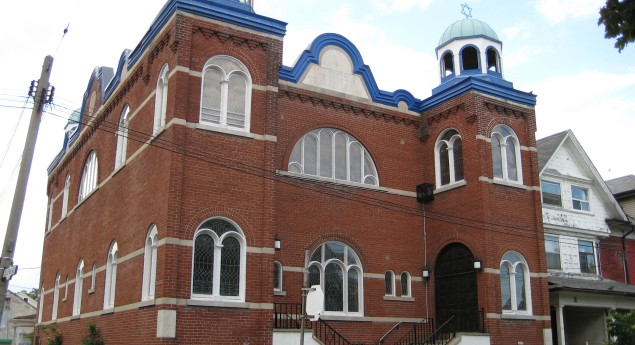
(625, 257)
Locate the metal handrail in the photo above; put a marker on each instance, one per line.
(328, 335)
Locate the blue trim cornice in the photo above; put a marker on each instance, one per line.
(312, 56)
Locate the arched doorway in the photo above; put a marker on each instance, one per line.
(455, 288)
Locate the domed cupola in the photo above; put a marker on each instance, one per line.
(469, 47)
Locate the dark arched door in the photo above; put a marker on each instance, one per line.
(455, 288)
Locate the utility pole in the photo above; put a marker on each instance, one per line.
(6, 261)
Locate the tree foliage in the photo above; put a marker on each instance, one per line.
(93, 337)
(33, 293)
(618, 17)
(621, 327)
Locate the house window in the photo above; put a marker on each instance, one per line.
(161, 100)
(506, 154)
(552, 247)
(515, 287)
(277, 276)
(226, 93)
(122, 138)
(56, 297)
(336, 267)
(67, 186)
(550, 193)
(219, 261)
(405, 284)
(150, 264)
(580, 198)
(79, 284)
(389, 279)
(449, 158)
(586, 252)
(89, 176)
(331, 153)
(111, 277)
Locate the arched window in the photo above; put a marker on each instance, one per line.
(389, 280)
(405, 285)
(226, 93)
(331, 153)
(66, 290)
(67, 186)
(493, 60)
(447, 65)
(89, 176)
(56, 297)
(161, 100)
(469, 57)
(122, 137)
(150, 264)
(111, 276)
(41, 305)
(79, 284)
(49, 221)
(218, 267)
(277, 276)
(93, 277)
(506, 154)
(448, 154)
(515, 284)
(336, 267)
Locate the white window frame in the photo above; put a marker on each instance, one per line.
(392, 283)
(110, 286)
(122, 137)
(542, 198)
(65, 290)
(215, 64)
(298, 162)
(581, 201)
(408, 292)
(89, 176)
(40, 311)
(595, 256)
(278, 265)
(216, 270)
(93, 278)
(451, 162)
(49, 222)
(79, 286)
(150, 264)
(557, 240)
(56, 297)
(65, 193)
(161, 100)
(512, 284)
(503, 153)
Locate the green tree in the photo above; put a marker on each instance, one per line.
(618, 17)
(33, 293)
(621, 327)
(93, 337)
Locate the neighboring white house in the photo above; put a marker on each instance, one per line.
(18, 319)
(577, 208)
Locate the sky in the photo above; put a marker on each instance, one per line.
(553, 48)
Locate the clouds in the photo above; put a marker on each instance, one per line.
(400, 5)
(556, 11)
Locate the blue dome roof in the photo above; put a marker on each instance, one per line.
(467, 28)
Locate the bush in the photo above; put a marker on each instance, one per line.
(621, 327)
(93, 337)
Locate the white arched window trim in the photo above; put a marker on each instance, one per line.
(122, 137)
(49, 221)
(111, 277)
(513, 265)
(89, 176)
(93, 277)
(277, 286)
(216, 270)
(150, 264)
(67, 186)
(405, 284)
(217, 112)
(56, 297)
(452, 164)
(161, 100)
(389, 282)
(79, 284)
(505, 140)
(40, 305)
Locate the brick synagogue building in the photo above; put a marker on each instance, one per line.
(202, 184)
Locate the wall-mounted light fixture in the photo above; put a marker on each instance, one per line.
(425, 192)
(425, 273)
(478, 264)
(276, 242)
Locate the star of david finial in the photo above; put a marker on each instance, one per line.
(466, 11)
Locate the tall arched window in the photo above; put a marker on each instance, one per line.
(515, 284)
(150, 264)
(336, 267)
(161, 100)
(111, 276)
(40, 308)
(218, 267)
(56, 297)
(389, 282)
(405, 285)
(506, 154)
(331, 153)
(79, 284)
(493, 60)
(448, 154)
(122, 137)
(226, 93)
(49, 220)
(447, 65)
(277, 276)
(67, 186)
(469, 58)
(89, 176)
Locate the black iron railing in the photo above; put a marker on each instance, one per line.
(288, 316)
(442, 335)
(418, 332)
(328, 335)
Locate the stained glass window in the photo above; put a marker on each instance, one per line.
(389, 279)
(514, 279)
(203, 264)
